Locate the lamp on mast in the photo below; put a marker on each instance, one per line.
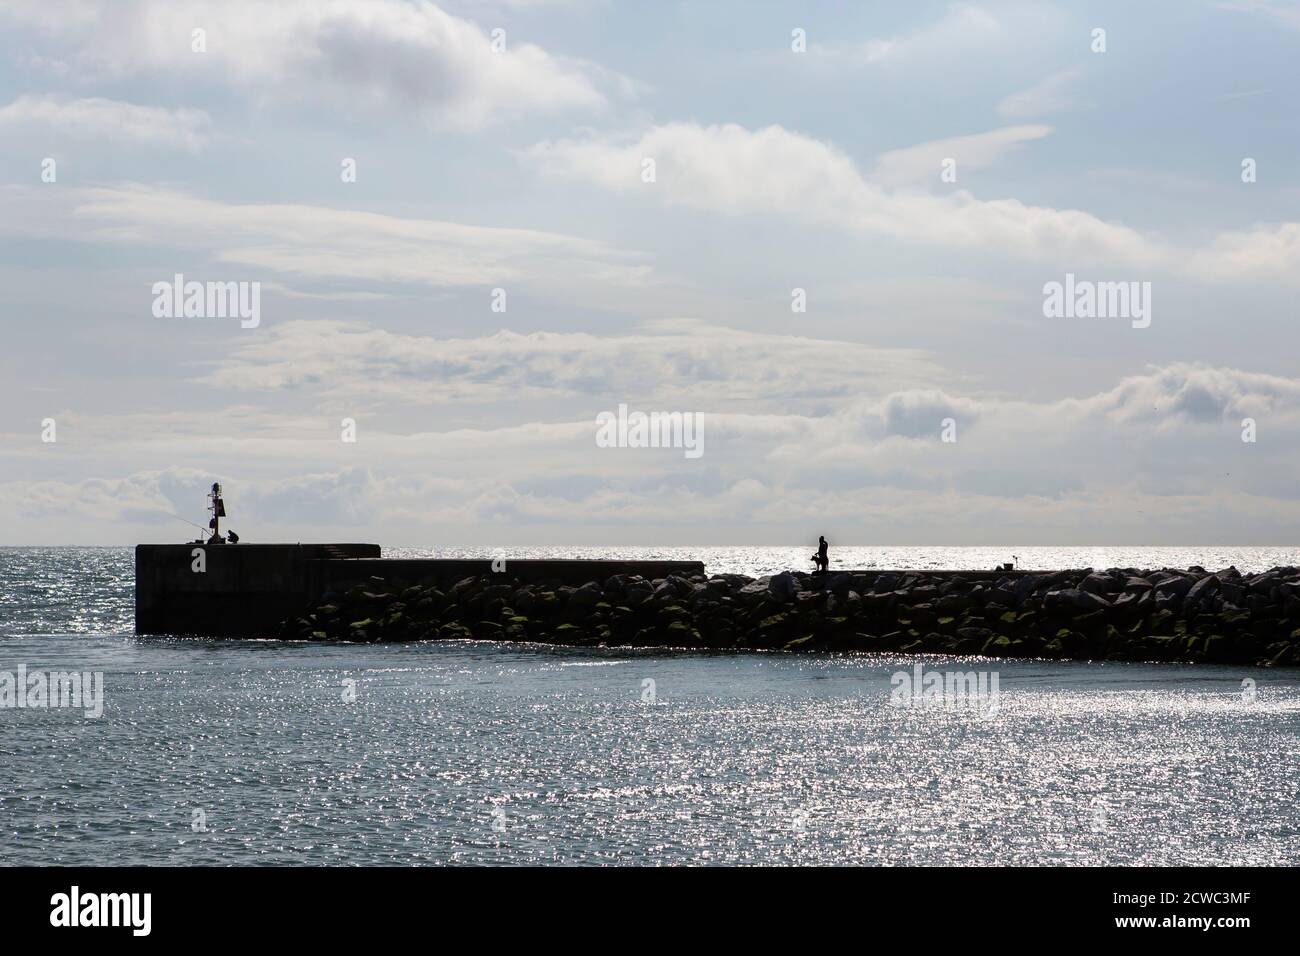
(218, 508)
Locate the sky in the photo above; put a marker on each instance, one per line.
(824, 231)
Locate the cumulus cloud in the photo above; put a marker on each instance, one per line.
(100, 118)
(1196, 393)
(1264, 252)
(381, 54)
(730, 169)
(920, 411)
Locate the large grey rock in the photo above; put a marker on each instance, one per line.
(1265, 582)
(463, 586)
(1059, 597)
(1203, 589)
(1025, 587)
(1075, 598)
(951, 602)
(1168, 599)
(1128, 601)
(783, 586)
(1177, 586)
(1091, 602)
(1096, 583)
(884, 583)
(1057, 580)
(840, 582)
(586, 596)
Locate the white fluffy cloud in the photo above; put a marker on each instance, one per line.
(381, 53)
(1264, 252)
(730, 169)
(1197, 393)
(772, 170)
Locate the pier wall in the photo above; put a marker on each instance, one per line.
(249, 590)
(245, 590)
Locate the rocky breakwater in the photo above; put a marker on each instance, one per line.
(1169, 615)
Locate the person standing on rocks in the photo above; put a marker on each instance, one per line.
(821, 559)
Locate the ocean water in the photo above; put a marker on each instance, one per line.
(243, 752)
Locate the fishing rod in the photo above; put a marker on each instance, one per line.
(218, 509)
(186, 520)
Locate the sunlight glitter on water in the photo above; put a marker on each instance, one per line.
(493, 753)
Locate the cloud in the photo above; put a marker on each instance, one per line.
(1198, 394)
(384, 54)
(161, 497)
(1164, 444)
(962, 34)
(772, 170)
(921, 163)
(97, 118)
(963, 28)
(1052, 94)
(322, 242)
(1263, 252)
(691, 365)
(920, 412)
(733, 170)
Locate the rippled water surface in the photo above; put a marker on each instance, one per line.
(515, 754)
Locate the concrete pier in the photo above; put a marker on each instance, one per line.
(248, 590)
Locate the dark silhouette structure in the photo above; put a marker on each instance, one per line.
(218, 509)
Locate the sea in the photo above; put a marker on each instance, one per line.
(248, 752)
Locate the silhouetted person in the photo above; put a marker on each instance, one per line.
(232, 538)
(820, 558)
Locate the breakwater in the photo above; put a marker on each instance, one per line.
(1120, 614)
(249, 590)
